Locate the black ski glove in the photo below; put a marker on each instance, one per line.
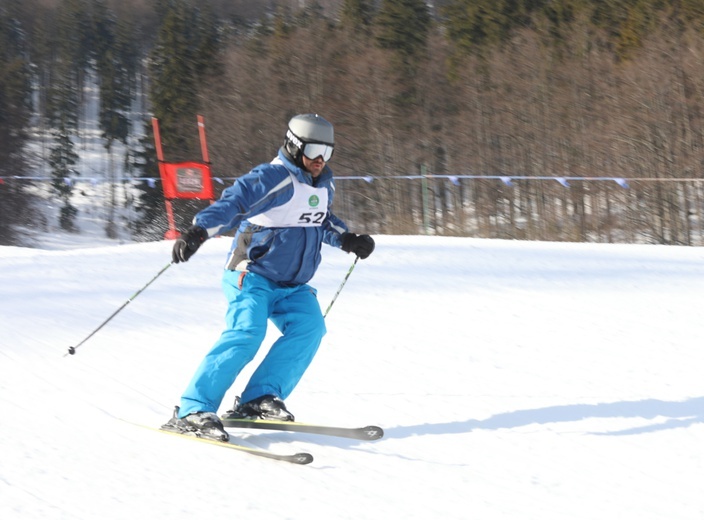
(187, 244)
(360, 245)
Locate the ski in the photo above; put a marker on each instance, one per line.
(295, 458)
(366, 433)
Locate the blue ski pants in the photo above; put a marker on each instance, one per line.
(252, 301)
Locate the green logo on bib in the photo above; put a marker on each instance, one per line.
(313, 201)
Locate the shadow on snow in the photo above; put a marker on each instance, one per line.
(680, 414)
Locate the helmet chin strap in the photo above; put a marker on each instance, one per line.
(296, 155)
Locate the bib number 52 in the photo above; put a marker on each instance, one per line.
(311, 218)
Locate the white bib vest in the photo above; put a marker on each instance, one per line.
(306, 208)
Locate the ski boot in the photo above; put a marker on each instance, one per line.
(266, 407)
(198, 424)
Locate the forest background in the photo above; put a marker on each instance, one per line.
(567, 120)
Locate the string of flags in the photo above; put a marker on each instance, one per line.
(508, 180)
(70, 181)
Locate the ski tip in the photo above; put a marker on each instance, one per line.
(301, 458)
(373, 433)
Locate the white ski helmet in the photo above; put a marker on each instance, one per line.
(309, 135)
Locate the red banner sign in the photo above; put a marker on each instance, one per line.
(187, 180)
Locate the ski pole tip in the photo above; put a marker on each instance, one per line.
(71, 350)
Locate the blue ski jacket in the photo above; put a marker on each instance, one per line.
(288, 225)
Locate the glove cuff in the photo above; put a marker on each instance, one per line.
(346, 240)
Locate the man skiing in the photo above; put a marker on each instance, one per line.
(282, 213)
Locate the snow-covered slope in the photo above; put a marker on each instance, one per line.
(514, 381)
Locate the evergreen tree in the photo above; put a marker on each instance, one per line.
(185, 55)
(14, 118)
(357, 15)
(69, 59)
(403, 27)
(114, 56)
(475, 24)
(627, 22)
(114, 60)
(150, 204)
(62, 159)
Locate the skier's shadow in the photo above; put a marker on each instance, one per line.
(680, 414)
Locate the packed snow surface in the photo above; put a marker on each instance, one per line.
(514, 380)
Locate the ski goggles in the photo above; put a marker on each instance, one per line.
(314, 150)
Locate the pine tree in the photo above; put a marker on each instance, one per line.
(403, 27)
(69, 59)
(150, 198)
(174, 71)
(62, 159)
(475, 24)
(14, 117)
(114, 56)
(185, 55)
(357, 15)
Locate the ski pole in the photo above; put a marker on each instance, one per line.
(72, 350)
(341, 285)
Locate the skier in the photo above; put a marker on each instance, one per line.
(282, 214)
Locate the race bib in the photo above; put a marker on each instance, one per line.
(307, 208)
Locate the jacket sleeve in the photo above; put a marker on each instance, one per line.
(333, 228)
(259, 190)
